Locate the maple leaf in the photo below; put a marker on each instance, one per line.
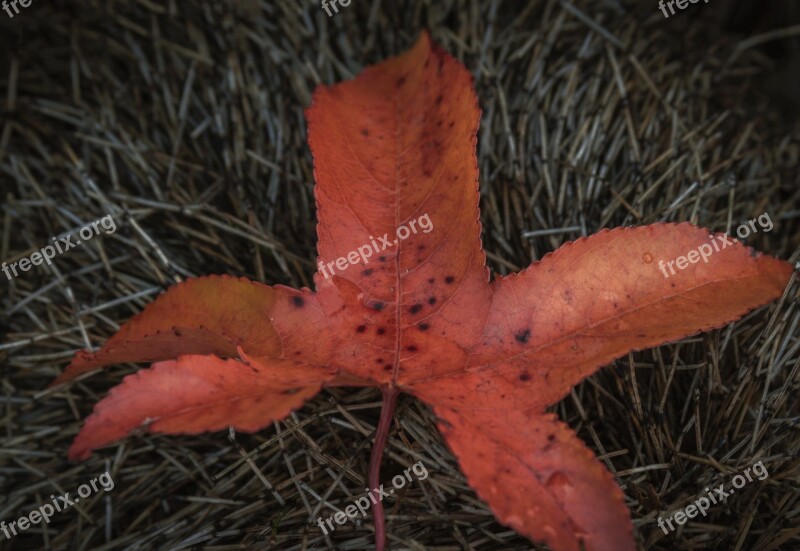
(421, 316)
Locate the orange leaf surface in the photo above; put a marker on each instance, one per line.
(214, 315)
(419, 314)
(200, 393)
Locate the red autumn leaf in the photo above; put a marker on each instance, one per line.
(419, 314)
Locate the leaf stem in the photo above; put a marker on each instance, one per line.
(390, 394)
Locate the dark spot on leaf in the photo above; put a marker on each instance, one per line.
(431, 279)
(377, 305)
(411, 348)
(387, 367)
(423, 326)
(415, 308)
(551, 437)
(449, 279)
(361, 328)
(379, 361)
(400, 81)
(364, 132)
(368, 272)
(298, 301)
(177, 333)
(432, 301)
(525, 377)
(382, 258)
(439, 99)
(523, 336)
(381, 331)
